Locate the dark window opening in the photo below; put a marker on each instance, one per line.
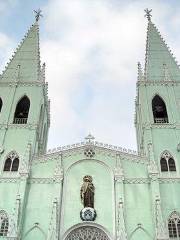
(172, 166)
(12, 163)
(4, 223)
(15, 165)
(22, 111)
(172, 229)
(1, 103)
(164, 166)
(159, 110)
(7, 165)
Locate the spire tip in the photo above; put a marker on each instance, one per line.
(38, 14)
(148, 14)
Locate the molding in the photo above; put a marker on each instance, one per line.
(41, 180)
(23, 84)
(169, 180)
(25, 126)
(137, 181)
(158, 83)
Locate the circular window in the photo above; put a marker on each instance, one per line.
(89, 153)
(87, 232)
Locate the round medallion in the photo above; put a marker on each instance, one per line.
(88, 214)
(89, 152)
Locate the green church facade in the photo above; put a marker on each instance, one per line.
(89, 190)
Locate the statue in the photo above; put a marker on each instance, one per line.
(87, 192)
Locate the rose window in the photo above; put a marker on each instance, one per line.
(89, 153)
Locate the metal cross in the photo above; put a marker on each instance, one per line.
(38, 14)
(89, 138)
(148, 14)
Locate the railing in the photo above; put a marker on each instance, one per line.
(160, 120)
(20, 120)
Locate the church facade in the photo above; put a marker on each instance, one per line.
(89, 190)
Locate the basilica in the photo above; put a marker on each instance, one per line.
(89, 190)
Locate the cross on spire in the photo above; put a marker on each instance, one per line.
(38, 14)
(148, 14)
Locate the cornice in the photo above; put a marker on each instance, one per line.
(99, 148)
(22, 84)
(12, 125)
(161, 125)
(157, 83)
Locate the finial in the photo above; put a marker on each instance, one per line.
(148, 14)
(89, 138)
(38, 14)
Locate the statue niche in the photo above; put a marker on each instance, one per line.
(87, 192)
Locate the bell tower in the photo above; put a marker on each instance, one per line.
(24, 105)
(158, 101)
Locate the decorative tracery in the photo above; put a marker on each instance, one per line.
(167, 162)
(12, 162)
(87, 233)
(4, 223)
(174, 226)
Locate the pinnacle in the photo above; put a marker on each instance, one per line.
(27, 57)
(158, 55)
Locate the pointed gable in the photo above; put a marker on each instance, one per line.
(25, 64)
(159, 59)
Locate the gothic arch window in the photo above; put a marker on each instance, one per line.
(4, 223)
(159, 110)
(12, 162)
(87, 232)
(1, 103)
(167, 162)
(22, 111)
(174, 226)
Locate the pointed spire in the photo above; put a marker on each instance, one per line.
(26, 58)
(158, 55)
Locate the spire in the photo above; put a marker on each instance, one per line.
(26, 58)
(158, 56)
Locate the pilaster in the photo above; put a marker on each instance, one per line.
(119, 200)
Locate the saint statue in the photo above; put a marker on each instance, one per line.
(87, 192)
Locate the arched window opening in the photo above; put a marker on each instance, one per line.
(4, 223)
(11, 163)
(15, 165)
(22, 111)
(164, 166)
(172, 166)
(1, 103)
(7, 165)
(174, 226)
(167, 162)
(159, 110)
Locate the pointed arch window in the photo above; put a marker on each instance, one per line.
(1, 103)
(174, 226)
(159, 110)
(167, 162)
(4, 223)
(22, 111)
(12, 162)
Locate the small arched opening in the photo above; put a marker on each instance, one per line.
(159, 110)
(22, 111)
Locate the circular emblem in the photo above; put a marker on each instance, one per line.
(88, 214)
(89, 153)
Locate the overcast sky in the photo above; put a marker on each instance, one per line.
(91, 49)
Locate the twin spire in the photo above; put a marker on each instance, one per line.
(160, 65)
(24, 66)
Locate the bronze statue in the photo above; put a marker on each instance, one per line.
(87, 192)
